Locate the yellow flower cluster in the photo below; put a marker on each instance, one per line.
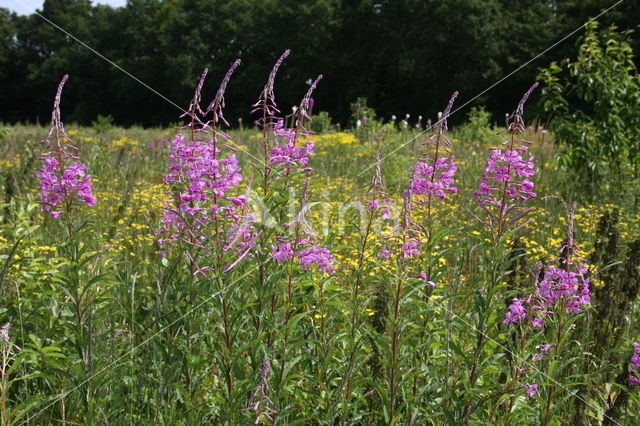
(138, 217)
(133, 145)
(341, 142)
(329, 140)
(13, 163)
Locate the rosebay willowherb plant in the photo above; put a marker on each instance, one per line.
(408, 255)
(63, 180)
(210, 223)
(213, 243)
(506, 182)
(65, 189)
(433, 180)
(200, 178)
(548, 319)
(295, 252)
(504, 186)
(564, 286)
(434, 172)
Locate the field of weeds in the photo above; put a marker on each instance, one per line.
(397, 272)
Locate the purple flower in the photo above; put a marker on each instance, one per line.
(382, 206)
(506, 181)
(241, 236)
(385, 253)
(320, 256)
(433, 173)
(564, 286)
(537, 322)
(201, 176)
(197, 167)
(282, 252)
(516, 312)
(306, 254)
(59, 184)
(285, 151)
(572, 287)
(635, 358)
(532, 390)
(508, 170)
(237, 201)
(200, 180)
(410, 249)
(62, 184)
(434, 179)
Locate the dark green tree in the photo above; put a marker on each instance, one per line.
(405, 56)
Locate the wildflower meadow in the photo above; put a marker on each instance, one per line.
(288, 271)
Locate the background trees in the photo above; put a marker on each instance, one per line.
(405, 56)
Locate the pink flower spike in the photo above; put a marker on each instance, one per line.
(59, 183)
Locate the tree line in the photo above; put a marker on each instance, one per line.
(404, 56)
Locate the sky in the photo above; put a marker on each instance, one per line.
(26, 7)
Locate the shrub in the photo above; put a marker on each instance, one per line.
(594, 102)
(478, 126)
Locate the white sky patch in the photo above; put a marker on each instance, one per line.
(26, 7)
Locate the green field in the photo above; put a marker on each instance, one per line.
(109, 326)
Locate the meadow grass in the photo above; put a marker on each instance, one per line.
(312, 324)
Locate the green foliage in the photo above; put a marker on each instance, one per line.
(363, 119)
(361, 113)
(321, 123)
(478, 127)
(102, 123)
(594, 102)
